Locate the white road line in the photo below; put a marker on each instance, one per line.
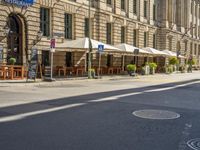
(111, 98)
(24, 115)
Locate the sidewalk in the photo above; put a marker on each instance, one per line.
(62, 81)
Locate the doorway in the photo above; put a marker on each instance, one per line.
(15, 39)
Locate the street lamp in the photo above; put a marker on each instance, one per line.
(90, 45)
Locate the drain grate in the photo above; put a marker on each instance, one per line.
(194, 144)
(156, 114)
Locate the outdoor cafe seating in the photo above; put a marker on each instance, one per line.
(12, 72)
(66, 71)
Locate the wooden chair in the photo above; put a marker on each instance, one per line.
(18, 72)
(62, 69)
(1, 72)
(110, 70)
(80, 71)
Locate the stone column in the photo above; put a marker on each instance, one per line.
(187, 7)
(170, 12)
(193, 17)
(150, 11)
(182, 15)
(197, 21)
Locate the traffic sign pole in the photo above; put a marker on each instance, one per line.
(99, 64)
(52, 50)
(100, 50)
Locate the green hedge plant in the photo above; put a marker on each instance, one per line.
(153, 67)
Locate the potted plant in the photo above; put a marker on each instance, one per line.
(12, 61)
(146, 69)
(153, 67)
(131, 69)
(169, 69)
(182, 68)
(174, 61)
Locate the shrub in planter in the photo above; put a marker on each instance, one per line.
(173, 61)
(12, 61)
(146, 69)
(182, 68)
(131, 69)
(169, 69)
(153, 67)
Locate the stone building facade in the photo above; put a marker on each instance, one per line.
(162, 24)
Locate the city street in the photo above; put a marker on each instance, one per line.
(160, 112)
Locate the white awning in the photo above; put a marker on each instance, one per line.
(154, 51)
(173, 54)
(130, 48)
(83, 43)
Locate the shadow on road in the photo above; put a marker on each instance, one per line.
(88, 98)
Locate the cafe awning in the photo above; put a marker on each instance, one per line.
(172, 54)
(155, 51)
(129, 48)
(83, 44)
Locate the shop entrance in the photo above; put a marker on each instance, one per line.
(15, 39)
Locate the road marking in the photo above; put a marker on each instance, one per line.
(194, 144)
(111, 98)
(115, 97)
(25, 115)
(184, 138)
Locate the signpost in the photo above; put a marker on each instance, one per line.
(32, 69)
(100, 51)
(21, 3)
(1, 53)
(136, 52)
(52, 46)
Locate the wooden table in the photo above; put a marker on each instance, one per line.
(79, 70)
(118, 70)
(61, 69)
(12, 72)
(110, 70)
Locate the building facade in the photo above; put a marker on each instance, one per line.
(171, 24)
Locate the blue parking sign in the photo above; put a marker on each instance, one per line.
(100, 48)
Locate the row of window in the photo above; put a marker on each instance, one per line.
(45, 28)
(45, 24)
(124, 6)
(123, 36)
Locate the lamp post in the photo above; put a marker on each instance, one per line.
(90, 46)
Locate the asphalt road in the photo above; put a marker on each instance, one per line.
(99, 115)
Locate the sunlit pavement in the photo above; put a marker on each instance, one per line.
(100, 114)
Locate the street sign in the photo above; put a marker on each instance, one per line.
(100, 48)
(136, 51)
(58, 34)
(178, 53)
(21, 3)
(53, 43)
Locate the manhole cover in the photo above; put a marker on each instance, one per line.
(156, 114)
(194, 144)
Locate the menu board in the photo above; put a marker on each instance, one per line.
(32, 69)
